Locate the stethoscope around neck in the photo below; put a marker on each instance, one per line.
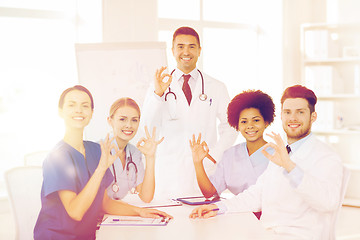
(202, 96)
(115, 186)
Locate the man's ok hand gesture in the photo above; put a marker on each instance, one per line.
(160, 85)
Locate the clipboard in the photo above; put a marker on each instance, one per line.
(114, 220)
(201, 200)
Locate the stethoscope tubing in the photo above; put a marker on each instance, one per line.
(130, 161)
(202, 96)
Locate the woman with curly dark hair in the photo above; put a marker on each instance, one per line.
(250, 113)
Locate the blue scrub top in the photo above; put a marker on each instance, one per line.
(66, 169)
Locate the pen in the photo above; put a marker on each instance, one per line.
(125, 220)
(215, 209)
(211, 158)
(205, 212)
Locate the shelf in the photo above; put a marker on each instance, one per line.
(339, 97)
(353, 167)
(330, 66)
(332, 60)
(351, 202)
(337, 132)
(330, 26)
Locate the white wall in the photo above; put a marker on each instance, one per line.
(129, 21)
(348, 11)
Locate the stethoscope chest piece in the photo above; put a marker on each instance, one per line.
(203, 97)
(115, 187)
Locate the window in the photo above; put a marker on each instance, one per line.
(185, 9)
(241, 41)
(37, 62)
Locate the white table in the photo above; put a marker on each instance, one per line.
(227, 226)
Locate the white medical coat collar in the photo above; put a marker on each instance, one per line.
(178, 74)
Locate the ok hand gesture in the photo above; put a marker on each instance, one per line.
(280, 156)
(199, 149)
(160, 86)
(148, 145)
(107, 158)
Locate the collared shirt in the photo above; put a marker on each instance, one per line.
(297, 174)
(296, 145)
(195, 75)
(177, 121)
(307, 211)
(178, 76)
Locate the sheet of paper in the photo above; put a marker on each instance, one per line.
(133, 221)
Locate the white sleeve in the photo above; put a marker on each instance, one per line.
(321, 185)
(151, 114)
(246, 201)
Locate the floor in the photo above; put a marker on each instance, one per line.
(348, 227)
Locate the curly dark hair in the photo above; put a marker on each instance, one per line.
(251, 99)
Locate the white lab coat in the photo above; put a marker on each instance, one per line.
(303, 212)
(174, 170)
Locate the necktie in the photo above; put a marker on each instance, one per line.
(288, 148)
(186, 88)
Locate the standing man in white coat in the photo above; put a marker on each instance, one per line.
(300, 191)
(180, 104)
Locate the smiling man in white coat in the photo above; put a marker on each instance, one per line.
(300, 191)
(180, 104)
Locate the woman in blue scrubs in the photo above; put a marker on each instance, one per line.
(128, 168)
(250, 113)
(76, 175)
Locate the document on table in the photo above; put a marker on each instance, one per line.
(133, 221)
(134, 199)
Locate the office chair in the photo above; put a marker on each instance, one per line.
(345, 181)
(24, 186)
(35, 158)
